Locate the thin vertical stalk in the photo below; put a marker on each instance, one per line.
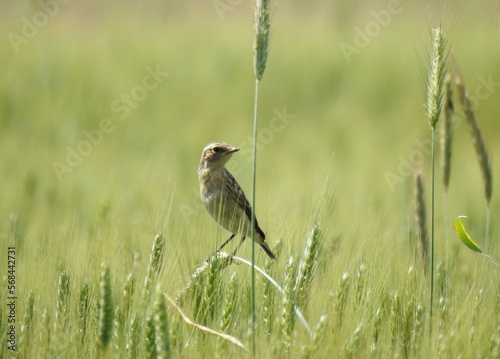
(262, 24)
(254, 177)
(434, 104)
(432, 223)
(487, 230)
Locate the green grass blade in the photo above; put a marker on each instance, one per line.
(464, 236)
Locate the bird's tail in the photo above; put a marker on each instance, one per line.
(260, 238)
(266, 249)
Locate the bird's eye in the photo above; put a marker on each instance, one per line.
(217, 149)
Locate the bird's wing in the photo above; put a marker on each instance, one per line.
(233, 188)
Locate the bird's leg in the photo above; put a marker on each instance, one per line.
(236, 250)
(225, 243)
(214, 253)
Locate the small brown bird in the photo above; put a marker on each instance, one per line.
(223, 197)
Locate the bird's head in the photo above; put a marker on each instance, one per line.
(217, 154)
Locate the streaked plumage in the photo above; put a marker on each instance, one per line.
(223, 197)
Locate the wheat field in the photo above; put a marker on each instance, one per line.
(104, 112)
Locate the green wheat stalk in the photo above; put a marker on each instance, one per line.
(360, 284)
(443, 313)
(339, 297)
(45, 338)
(479, 147)
(230, 303)
(162, 338)
(477, 137)
(262, 28)
(198, 277)
(154, 267)
(262, 25)
(418, 325)
(83, 309)
(62, 307)
(447, 133)
(268, 296)
(434, 104)
(411, 316)
(353, 347)
(446, 146)
(150, 339)
(442, 278)
(62, 304)
(307, 267)
(156, 256)
(395, 319)
(133, 337)
(436, 76)
(118, 332)
(228, 313)
(105, 309)
(28, 312)
(211, 290)
(407, 324)
(267, 302)
(27, 323)
(420, 217)
(128, 293)
(288, 305)
(377, 324)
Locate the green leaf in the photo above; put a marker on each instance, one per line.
(464, 236)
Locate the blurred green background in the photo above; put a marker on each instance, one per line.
(352, 121)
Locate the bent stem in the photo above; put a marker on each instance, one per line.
(278, 287)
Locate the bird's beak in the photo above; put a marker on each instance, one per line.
(233, 149)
